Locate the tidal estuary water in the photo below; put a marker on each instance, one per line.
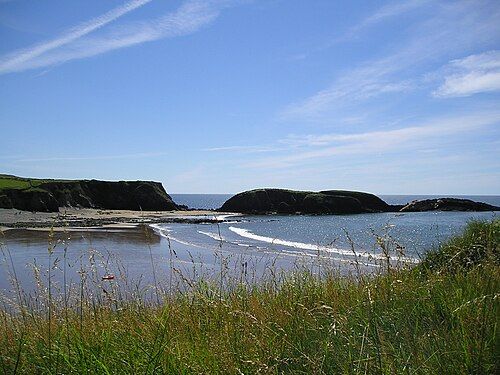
(247, 245)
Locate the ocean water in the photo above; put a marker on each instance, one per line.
(202, 201)
(248, 245)
(325, 236)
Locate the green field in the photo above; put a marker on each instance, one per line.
(13, 182)
(441, 317)
(21, 183)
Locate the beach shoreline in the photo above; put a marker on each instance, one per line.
(75, 219)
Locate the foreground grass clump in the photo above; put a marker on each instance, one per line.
(441, 317)
(478, 245)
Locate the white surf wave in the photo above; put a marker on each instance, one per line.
(313, 247)
(165, 233)
(220, 238)
(215, 236)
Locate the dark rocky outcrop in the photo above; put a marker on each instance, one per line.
(262, 201)
(28, 200)
(447, 204)
(281, 201)
(331, 204)
(369, 201)
(123, 195)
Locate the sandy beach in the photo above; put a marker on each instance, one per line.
(68, 218)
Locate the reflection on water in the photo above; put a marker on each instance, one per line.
(139, 235)
(25, 253)
(134, 259)
(247, 248)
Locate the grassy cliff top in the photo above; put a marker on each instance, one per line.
(21, 183)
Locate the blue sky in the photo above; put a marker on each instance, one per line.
(219, 96)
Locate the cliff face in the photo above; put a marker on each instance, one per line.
(261, 201)
(123, 195)
(28, 200)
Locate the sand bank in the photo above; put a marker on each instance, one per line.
(93, 218)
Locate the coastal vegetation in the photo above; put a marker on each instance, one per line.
(438, 317)
(19, 183)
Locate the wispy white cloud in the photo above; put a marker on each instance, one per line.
(448, 29)
(385, 12)
(97, 157)
(188, 18)
(248, 149)
(309, 147)
(21, 57)
(471, 75)
(393, 9)
(355, 86)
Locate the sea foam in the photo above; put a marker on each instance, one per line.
(313, 247)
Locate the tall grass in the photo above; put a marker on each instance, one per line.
(440, 317)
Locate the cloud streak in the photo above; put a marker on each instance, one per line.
(75, 44)
(448, 29)
(243, 149)
(471, 75)
(18, 58)
(437, 131)
(385, 12)
(101, 157)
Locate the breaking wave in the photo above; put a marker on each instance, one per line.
(312, 247)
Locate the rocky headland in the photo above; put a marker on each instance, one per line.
(263, 201)
(41, 195)
(447, 204)
(50, 195)
(281, 201)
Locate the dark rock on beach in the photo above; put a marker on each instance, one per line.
(447, 204)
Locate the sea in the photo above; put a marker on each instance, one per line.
(248, 247)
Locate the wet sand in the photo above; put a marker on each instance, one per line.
(73, 218)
